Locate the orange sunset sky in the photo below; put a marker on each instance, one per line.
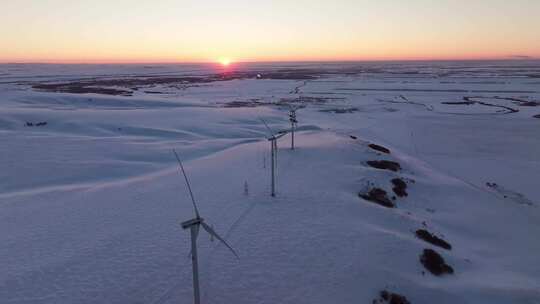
(201, 31)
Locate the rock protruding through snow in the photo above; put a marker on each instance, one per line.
(510, 194)
(37, 124)
(400, 187)
(390, 298)
(435, 263)
(379, 148)
(385, 165)
(432, 239)
(378, 196)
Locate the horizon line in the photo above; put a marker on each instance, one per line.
(113, 62)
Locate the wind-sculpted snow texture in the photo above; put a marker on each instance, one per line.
(91, 200)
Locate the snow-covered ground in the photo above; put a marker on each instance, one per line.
(91, 199)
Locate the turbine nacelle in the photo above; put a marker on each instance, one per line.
(277, 136)
(192, 222)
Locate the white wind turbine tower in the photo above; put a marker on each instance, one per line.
(273, 151)
(194, 225)
(294, 123)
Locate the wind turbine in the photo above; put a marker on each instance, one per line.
(294, 123)
(273, 151)
(194, 225)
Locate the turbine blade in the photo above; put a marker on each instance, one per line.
(187, 183)
(197, 228)
(267, 127)
(213, 233)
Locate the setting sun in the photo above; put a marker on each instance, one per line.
(225, 61)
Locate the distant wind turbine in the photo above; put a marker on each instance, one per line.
(294, 123)
(194, 225)
(273, 151)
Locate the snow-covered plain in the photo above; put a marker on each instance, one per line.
(91, 202)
